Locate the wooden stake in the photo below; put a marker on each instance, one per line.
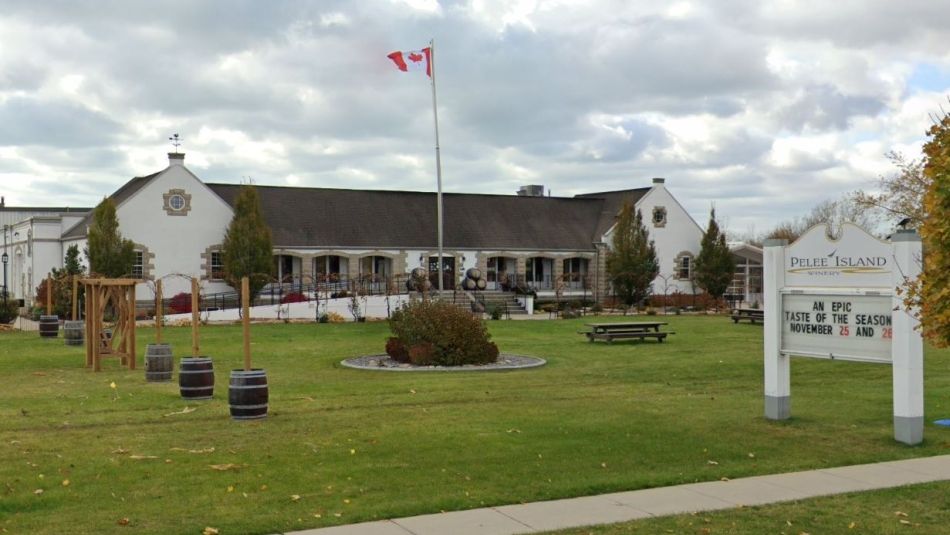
(75, 297)
(194, 317)
(246, 311)
(131, 348)
(49, 295)
(158, 311)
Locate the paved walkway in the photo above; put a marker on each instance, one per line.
(633, 505)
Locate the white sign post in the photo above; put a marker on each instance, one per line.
(836, 299)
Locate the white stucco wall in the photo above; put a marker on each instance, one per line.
(176, 241)
(680, 233)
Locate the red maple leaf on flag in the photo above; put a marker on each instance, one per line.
(415, 57)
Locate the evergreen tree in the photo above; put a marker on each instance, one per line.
(715, 266)
(247, 249)
(631, 263)
(63, 281)
(71, 264)
(109, 254)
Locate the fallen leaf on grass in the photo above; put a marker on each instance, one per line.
(142, 457)
(852, 525)
(905, 522)
(210, 531)
(38, 492)
(40, 374)
(223, 467)
(712, 462)
(65, 482)
(352, 452)
(186, 410)
(230, 488)
(294, 497)
(204, 450)
(512, 430)
(900, 513)
(120, 451)
(122, 521)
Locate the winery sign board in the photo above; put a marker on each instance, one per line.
(836, 298)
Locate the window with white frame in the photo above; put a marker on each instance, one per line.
(659, 216)
(217, 265)
(684, 266)
(138, 267)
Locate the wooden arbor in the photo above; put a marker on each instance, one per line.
(121, 294)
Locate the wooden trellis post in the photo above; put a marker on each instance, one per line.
(246, 312)
(75, 300)
(195, 316)
(158, 311)
(98, 294)
(49, 294)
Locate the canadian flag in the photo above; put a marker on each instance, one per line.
(413, 60)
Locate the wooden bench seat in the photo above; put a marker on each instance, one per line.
(750, 314)
(626, 334)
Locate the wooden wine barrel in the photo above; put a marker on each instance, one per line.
(418, 273)
(49, 326)
(473, 273)
(196, 378)
(158, 363)
(247, 394)
(481, 284)
(468, 284)
(74, 332)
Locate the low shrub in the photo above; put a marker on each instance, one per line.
(439, 333)
(496, 313)
(335, 317)
(651, 312)
(293, 297)
(397, 350)
(8, 311)
(324, 318)
(570, 313)
(597, 308)
(180, 303)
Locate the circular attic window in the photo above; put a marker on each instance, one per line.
(176, 202)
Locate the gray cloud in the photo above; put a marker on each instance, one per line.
(578, 97)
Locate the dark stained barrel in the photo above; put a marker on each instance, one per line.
(196, 378)
(158, 363)
(74, 332)
(473, 273)
(49, 326)
(468, 284)
(481, 284)
(247, 394)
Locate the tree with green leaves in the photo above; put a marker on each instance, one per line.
(247, 250)
(930, 290)
(109, 254)
(63, 294)
(714, 267)
(631, 264)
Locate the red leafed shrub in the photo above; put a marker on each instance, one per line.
(441, 334)
(181, 303)
(293, 297)
(397, 350)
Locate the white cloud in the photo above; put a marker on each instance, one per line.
(763, 109)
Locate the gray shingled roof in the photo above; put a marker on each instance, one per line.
(324, 217)
(612, 203)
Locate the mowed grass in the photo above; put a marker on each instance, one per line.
(344, 446)
(913, 509)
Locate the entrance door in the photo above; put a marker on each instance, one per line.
(448, 272)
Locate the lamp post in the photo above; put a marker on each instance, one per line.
(5, 258)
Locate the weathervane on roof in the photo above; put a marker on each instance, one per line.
(176, 142)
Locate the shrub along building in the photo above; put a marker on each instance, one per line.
(528, 241)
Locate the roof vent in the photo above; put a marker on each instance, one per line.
(535, 190)
(659, 180)
(176, 158)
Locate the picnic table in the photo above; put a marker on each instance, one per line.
(751, 314)
(621, 330)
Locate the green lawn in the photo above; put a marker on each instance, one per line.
(356, 445)
(914, 509)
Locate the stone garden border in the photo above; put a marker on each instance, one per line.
(382, 362)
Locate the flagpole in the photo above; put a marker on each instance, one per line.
(438, 163)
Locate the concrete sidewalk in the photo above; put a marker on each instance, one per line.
(633, 505)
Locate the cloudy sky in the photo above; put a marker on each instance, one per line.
(761, 108)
